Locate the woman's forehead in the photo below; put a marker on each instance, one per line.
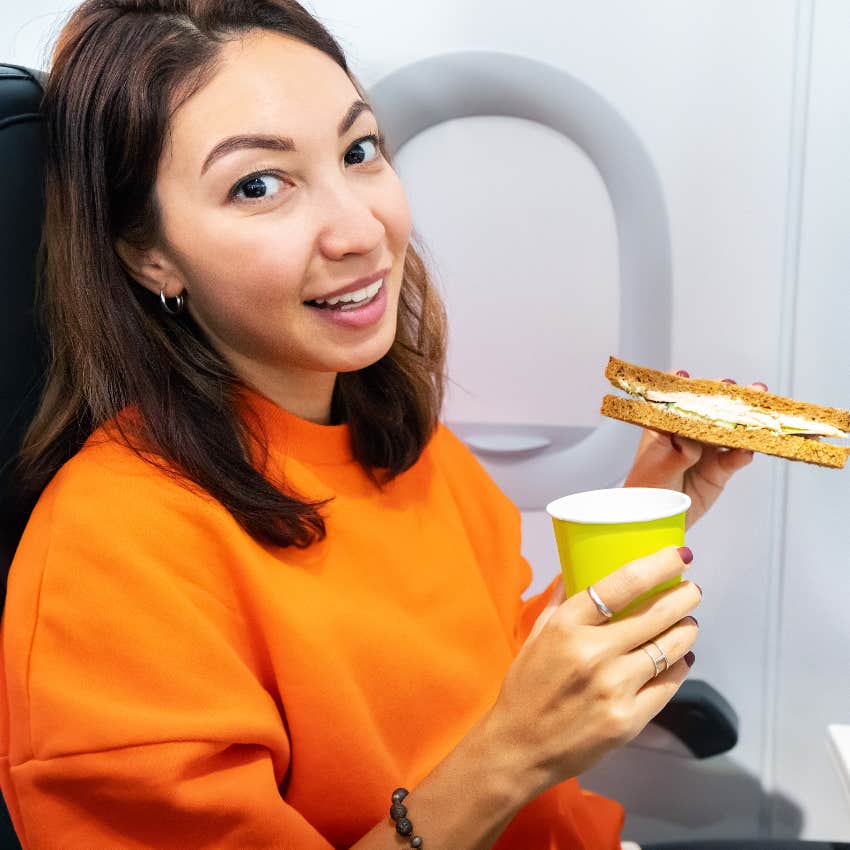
(263, 83)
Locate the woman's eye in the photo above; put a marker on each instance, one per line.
(363, 150)
(256, 187)
(265, 184)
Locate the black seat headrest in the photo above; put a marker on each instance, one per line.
(21, 218)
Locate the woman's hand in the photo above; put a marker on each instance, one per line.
(678, 463)
(582, 685)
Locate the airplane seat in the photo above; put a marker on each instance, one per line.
(21, 217)
(698, 715)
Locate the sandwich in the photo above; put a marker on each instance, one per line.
(727, 415)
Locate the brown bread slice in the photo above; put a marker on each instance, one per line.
(664, 382)
(789, 446)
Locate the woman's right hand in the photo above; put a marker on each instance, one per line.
(582, 685)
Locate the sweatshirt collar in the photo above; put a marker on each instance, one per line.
(296, 437)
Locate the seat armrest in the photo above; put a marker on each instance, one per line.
(701, 719)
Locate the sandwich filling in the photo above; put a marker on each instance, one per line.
(731, 413)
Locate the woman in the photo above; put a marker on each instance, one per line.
(262, 586)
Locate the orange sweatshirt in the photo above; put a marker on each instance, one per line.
(167, 682)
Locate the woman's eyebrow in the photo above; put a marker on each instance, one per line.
(351, 116)
(277, 143)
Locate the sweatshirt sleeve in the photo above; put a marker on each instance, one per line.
(494, 525)
(135, 712)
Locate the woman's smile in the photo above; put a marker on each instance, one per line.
(358, 312)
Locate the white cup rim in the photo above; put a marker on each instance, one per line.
(618, 505)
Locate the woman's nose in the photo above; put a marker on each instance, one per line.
(349, 223)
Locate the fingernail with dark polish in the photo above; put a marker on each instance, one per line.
(683, 374)
(698, 588)
(696, 621)
(690, 658)
(760, 384)
(729, 381)
(685, 554)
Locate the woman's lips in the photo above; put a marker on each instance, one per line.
(361, 316)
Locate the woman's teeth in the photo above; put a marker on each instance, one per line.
(351, 300)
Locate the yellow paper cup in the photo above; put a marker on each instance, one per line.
(600, 530)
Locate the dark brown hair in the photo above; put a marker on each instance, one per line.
(119, 68)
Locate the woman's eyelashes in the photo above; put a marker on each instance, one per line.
(376, 141)
(253, 188)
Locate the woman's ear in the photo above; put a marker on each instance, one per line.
(149, 268)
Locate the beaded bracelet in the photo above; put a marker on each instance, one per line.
(398, 812)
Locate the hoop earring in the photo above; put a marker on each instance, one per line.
(166, 308)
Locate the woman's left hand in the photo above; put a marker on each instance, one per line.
(678, 463)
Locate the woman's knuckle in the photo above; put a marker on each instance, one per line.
(608, 687)
(631, 580)
(620, 724)
(585, 659)
(553, 634)
(621, 587)
(669, 605)
(685, 597)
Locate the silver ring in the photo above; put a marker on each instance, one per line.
(656, 662)
(603, 609)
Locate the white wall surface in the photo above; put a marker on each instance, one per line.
(812, 651)
(742, 105)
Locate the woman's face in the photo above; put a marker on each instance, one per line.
(255, 233)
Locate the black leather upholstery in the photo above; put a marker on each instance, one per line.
(21, 217)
